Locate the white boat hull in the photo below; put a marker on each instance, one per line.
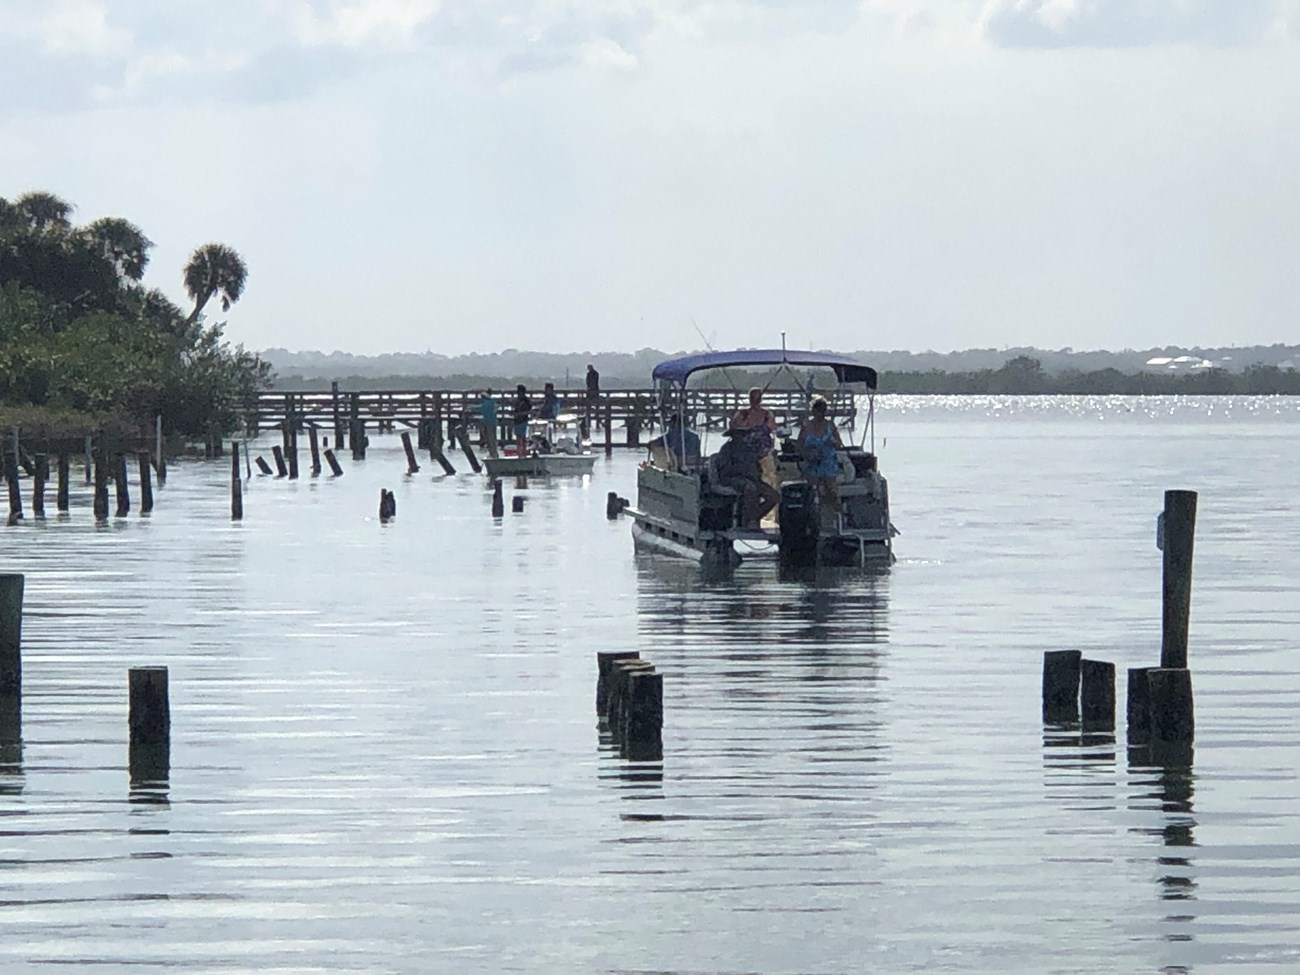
(542, 465)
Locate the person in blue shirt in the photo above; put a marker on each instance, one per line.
(487, 411)
(681, 443)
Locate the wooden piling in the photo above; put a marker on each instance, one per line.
(146, 483)
(236, 485)
(357, 438)
(605, 660)
(643, 716)
(1179, 535)
(263, 466)
(1097, 693)
(634, 431)
(1170, 701)
(65, 471)
(411, 466)
(387, 505)
(293, 452)
(160, 461)
(1138, 709)
(338, 416)
(436, 453)
(618, 692)
(101, 486)
(121, 488)
(609, 429)
(462, 438)
(1061, 671)
(150, 724)
(517, 503)
(11, 634)
(88, 455)
(11, 480)
(436, 429)
(315, 451)
(613, 505)
(330, 459)
(498, 502)
(280, 469)
(40, 474)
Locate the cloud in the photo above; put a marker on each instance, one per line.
(142, 51)
(80, 27)
(1127, 23)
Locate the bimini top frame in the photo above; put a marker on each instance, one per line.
(847, 370)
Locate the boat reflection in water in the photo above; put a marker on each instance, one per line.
(772, 691)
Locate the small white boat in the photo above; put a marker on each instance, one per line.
(682, 508)
(554, 450)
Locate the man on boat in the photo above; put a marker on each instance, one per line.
(738, 468)
(679, 446)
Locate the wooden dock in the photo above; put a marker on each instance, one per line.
(436, 414)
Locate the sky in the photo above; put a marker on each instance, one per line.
(568, 175)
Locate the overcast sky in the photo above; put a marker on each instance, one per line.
(470, 175)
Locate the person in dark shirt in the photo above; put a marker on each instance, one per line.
(738, 467)
(521, 409)
(593, 395)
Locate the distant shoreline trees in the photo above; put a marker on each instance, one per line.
(1020, 376)
(1024, 375)
(83, 340)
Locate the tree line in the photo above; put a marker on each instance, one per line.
(84, 344)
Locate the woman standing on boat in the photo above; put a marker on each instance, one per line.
(759, 424)
(819, 440)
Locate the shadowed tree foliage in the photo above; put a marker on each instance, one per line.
(80, 334)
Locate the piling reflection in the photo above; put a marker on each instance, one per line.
(11, 745)
(1079, 764)
(771, 682)
(1166, 786)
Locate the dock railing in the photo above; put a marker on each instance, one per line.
(635, 411)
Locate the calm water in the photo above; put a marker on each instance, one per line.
(385, 756)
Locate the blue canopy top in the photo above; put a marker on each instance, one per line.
(847, 370)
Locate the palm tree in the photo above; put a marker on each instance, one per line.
(214, 269)
(41, 211)
(123, 243)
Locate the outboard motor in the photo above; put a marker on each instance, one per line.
(800, 523)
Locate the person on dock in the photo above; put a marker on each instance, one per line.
(550, 402)
(487, 411)
(818, 442)
(738, 468)
(593, 397)
(521, 411)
